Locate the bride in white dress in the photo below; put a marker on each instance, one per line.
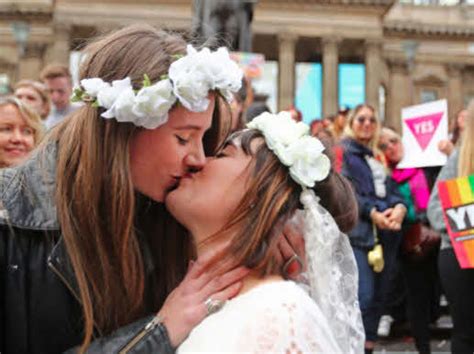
(259, 180)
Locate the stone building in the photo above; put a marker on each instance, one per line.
(412, 52)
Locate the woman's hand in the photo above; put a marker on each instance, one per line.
(211, 276)
(446, 147)
(291, 247)
(380, 219)
(396, 217)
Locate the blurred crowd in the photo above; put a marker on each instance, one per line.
(404, 255)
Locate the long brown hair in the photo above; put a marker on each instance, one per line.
(466, 150)
(105, 223)
(271, 199)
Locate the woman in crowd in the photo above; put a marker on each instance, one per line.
(338, 124)
(381, 211)
(419, 269)
(34, 94)
(239, 106)
(458, 284)
(458, 124)
(242, 197)
(86, 248)
(21, 131)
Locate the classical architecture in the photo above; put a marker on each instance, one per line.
(412, 53)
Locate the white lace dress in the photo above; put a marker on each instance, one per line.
(274, 317)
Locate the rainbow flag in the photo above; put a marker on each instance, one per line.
(457, 200)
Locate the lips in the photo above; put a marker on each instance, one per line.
(15, 151)
(174, 184)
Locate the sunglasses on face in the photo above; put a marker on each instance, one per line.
(362, 119)
(391, 141)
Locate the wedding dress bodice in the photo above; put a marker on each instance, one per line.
(273, 317)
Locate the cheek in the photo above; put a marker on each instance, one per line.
(30, 142)
(3, 140)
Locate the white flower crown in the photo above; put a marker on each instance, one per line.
(189, 79)
(294, 147)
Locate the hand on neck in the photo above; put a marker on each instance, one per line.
(205, 242)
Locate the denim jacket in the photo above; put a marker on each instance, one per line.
(39, 297)
(357, 170)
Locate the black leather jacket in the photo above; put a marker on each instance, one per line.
(40, 310)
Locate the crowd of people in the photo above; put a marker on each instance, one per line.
(129, 218)
(400, 210)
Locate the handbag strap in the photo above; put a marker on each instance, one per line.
(376, 234)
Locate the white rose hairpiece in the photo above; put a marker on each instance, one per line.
(294, 147)
(189, 80)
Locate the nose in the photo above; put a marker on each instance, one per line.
(196, 159)
(16, 136)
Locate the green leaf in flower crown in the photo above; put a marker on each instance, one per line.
(164, 77)
(77, 95)
(177, 56)
(95, 104)
(146, 80)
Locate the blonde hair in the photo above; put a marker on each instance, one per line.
(41, 89)
(99, 211)
(466, 150)
(30, 116)
(349, 132)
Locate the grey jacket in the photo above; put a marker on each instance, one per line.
(435, 211)
(40, 309)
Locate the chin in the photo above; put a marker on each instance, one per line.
(176, 206)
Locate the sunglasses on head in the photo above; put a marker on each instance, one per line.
(391, 141)
(362, 119)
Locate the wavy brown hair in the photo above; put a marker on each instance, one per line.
(107, 226)
(271, 199)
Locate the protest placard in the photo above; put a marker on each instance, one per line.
(251, 63)
(457, 200)
(423, 127)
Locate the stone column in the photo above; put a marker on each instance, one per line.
(399, 93)
(31, 62)
(330, 75)
(58, 52)
(455, 90)
(373, 69)
(286, 70)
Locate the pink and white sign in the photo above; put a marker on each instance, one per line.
(423, 126)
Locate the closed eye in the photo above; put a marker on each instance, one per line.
(181, 140)
(221, 154)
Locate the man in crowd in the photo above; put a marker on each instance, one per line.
(57, 79)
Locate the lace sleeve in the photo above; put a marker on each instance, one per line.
(294, 325)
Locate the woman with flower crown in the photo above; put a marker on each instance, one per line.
(88, 253)
(241, 198)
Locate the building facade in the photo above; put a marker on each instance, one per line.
(411, 52)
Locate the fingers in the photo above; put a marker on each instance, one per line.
(203, 263)
(383, 222)
(223, 281)
(394, 226)
(285, 249)
(223, 295)
(294, 236)
(229, 292)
